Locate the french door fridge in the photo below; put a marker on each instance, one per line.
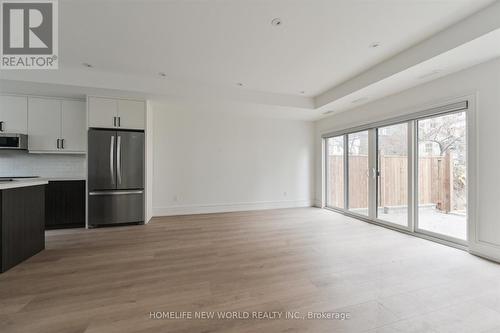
(116, 177)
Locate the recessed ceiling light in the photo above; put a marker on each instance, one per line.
(374, 45)
(239, 84)
(276, 22)
(162, 75)
(328, 112)
(359, 100)
(86, 64)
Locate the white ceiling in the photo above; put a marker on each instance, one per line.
(477, 51)
(467, 55)
(320, 44)
(206, 47)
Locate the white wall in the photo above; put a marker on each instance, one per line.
(21, 163)
(228, 161)
(483, 81)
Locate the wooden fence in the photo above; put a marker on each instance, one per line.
(435, 181)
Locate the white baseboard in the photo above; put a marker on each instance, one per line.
(485, 250)
(230, 207)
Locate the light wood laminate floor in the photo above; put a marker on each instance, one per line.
(299, 260)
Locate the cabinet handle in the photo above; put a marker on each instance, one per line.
(119, 121)
(1, 126)
(58, 143)
(62, 143)
(114, 121)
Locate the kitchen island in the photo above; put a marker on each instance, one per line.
(22, 220)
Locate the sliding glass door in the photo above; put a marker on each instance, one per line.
(392, 165)
(358, 172)
(335, 163)
(442, 176)
(410, 174)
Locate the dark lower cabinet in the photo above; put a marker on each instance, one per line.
(22, 224)
(65, 204)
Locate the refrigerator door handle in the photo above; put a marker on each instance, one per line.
(119, 159)
(116, 192)
(111, 159)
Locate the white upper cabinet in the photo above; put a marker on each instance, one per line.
(102, 112)
(44, 124)
(13, 114)
(131, 114)
(56, 126)
(73, 129)
(116, 113)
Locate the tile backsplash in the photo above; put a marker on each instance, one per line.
(21, 163)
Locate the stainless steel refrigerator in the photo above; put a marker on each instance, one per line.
(116, 177)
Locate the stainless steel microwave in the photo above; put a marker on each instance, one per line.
(13, 141)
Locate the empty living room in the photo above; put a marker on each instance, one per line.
(249, 166)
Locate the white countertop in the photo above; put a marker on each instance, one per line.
(22, 182)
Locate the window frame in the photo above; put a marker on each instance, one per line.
(459, 105)
(326, 182)
(410, 195)
(417, 229)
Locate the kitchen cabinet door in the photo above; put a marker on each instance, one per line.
(102, 112)
(131, 114)
(73, 126)
(44, 124)
(14, 114)
(65, 204)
